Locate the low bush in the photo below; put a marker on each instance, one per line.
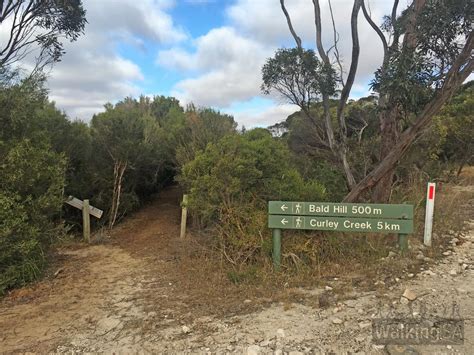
(32, 182)
(229, 184)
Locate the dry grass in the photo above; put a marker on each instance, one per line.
(357, 261)
(209, 285)
(188, 281)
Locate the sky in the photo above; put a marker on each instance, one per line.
(209, 52)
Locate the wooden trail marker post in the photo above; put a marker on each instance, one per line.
(86, 221)
(184, 216)
(87, 210)
(343, 217)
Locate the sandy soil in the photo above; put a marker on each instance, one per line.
(131, 294)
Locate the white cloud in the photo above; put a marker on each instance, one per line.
(265, 21)
(92, 72)
(218, 49)
(263, 118)
(144, 18)
(225, 66)
(176, 59)
(219, 88)
(103, 79)
(228, 65)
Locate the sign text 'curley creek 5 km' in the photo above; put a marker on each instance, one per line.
(344, 217)
(341, 224)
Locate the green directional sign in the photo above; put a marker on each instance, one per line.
(341, 224)
(342, 217)
(341, 209)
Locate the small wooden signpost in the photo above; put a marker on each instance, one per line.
(184, 216)
(87, 210)
(344, 217)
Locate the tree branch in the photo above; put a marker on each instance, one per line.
(290, 26)
(410, 37)
(336, 49)
(6, 11)
(393, 17)
(38, 25)
(317, 23)
(376, 29)
(396, 30)
(353, 69)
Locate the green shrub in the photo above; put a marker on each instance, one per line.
(203, 126)
(329, 176)
(31, 185)
(230, 183)
(21, 254)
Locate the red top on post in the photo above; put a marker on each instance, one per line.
(431, 192)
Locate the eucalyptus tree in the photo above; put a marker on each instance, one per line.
(38, 27)
(427, 51)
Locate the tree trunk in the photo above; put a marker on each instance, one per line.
(389, 138)
(464, 161)
(386, 166)
(347, 169)
(460, 70)
(461, 166)
(119, 170)
(389, 129)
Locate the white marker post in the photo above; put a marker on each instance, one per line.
(430, 196)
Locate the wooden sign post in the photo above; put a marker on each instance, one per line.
(184, 216)
(87, 210)
(343, 217)
(86, 221)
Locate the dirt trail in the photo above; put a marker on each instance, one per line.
(131, 295)
(83, 299)
(98, 296)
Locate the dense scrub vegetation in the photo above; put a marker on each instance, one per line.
(332, 149)
(118, 161)
(137, 146)
(230, 182)
(32, 179)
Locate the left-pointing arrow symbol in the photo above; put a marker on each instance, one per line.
(284, 221)
(284, 207)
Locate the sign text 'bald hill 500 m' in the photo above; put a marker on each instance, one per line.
(344, 217)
